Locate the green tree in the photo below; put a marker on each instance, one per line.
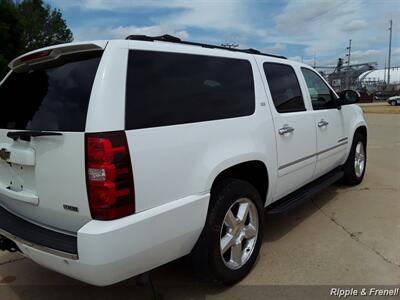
(27, 25)
(42, 26)
(10, 34)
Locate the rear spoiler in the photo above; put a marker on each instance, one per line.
(24, 61)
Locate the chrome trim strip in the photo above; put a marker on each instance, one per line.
(296, 161)
(331, 148)
(342, 140)
(312, 155)
(39, 247)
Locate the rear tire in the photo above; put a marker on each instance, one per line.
(354, 168)
(231, 239)
(393, 103)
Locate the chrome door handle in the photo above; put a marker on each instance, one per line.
(285, 129)
(323, 123)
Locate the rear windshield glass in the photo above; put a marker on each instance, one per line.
(51, 97)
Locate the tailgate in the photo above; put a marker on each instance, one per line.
(42, 144)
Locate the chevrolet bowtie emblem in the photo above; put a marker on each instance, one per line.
(4, 154)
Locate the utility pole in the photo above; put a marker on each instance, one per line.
(390, 51)
(348, 65)
(384, 73)
(349, 54)
(315, 54)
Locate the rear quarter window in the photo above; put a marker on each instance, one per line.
(166, 88)
(54, 96)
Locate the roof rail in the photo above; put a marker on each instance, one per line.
(174, 39)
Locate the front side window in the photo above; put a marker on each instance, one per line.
(165, 88)
(320, 94)
(284, 86)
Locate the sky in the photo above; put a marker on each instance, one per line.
(297, 29)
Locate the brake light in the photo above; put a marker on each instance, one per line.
(109, 175)
(36, 55)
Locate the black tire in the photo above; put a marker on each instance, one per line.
(350, 177)
(393, 103)
(207, 259)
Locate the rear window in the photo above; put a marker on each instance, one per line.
(51, 97)
(170, 88)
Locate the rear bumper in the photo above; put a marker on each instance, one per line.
(111, 251)
(20, 230)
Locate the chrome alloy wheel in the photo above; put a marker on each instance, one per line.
(239, 233)
(359, 159)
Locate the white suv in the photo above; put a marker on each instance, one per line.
(120, 156)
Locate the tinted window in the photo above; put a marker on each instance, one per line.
(171, 88)
(284, 87)
(54, 97)
(321, 95)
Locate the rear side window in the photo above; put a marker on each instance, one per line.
(284, 86)
(54, 96)
(170, 88)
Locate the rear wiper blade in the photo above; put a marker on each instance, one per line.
(27, 135)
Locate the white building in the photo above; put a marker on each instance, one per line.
(380, 76)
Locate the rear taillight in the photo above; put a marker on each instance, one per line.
(109, 175)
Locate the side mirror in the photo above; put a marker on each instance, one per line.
(348, 97)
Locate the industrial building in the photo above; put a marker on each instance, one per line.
(373, 80)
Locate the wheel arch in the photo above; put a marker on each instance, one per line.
(253, 171)
(362, 129)
(359, 128)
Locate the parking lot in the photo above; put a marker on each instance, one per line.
(344, 236)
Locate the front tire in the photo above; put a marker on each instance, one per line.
(393, 103)
(354, 168)
(231, 239)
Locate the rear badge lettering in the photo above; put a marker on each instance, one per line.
(4, 154)
(71, 208)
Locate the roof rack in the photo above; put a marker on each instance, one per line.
(174, 39)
